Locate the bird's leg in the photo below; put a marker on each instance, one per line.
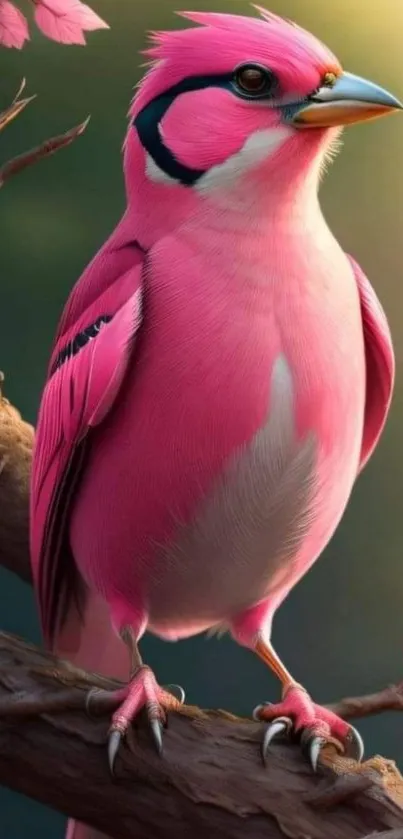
(298, 714)
(142, 692)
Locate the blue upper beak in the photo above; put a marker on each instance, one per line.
(349, 99)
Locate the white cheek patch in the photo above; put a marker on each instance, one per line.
(257, 148)
(157, 175)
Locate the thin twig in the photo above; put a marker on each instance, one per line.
(355, 707)
(16, 106)
(48, 147)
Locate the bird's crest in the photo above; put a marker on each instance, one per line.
(218, 42)
(164, 41)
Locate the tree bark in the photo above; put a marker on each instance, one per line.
(16, 444)
(209, 783)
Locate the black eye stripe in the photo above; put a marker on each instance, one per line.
(196, 83)
(148, 120)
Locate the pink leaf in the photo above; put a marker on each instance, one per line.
(88, 18)
(66, 20)
(13, 26)
(57, 27)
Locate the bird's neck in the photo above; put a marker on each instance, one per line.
(259, 204)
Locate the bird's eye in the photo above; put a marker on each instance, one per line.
(253, 80)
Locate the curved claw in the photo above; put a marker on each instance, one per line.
(156, 731)
(179, 690)
(256, 711)
(90, 695)
(313, 747)
(279, 726)
(114, 740)
(354, 745)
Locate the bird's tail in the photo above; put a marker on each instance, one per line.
(77, 830)
(92, 644)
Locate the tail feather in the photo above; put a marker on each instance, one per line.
(91, 643)
(77, 830)
(95, 646)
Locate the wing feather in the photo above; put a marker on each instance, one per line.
(79, 393)
(380, 361)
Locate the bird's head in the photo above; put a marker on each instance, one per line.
(237, 100)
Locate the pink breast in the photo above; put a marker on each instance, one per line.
(198, 389)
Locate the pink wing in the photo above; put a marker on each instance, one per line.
(87, 369)
(380, 364)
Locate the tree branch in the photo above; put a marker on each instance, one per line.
(210, 781)
(16, 443)
(355, 707)
(16, 107)
(48, 147)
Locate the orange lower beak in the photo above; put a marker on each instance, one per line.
(350, 99)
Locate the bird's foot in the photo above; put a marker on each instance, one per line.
(313, 725)
(142, 692)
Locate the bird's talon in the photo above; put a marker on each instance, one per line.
(310, 725)
(354, 745)
(176, 691)
(279, 726)
(256, 711)
(156, 731)
(114, 740)
(90, 695)
(313, 747)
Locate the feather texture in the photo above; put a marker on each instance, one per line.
(77, 397)
(219, 42)
(380, 364)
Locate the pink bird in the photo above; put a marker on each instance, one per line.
(221, 374)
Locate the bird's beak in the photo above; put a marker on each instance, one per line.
(350, 99)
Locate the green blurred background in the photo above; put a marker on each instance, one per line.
(341, 631)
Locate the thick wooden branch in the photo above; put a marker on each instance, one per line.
(16, 443)
(210, 782)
